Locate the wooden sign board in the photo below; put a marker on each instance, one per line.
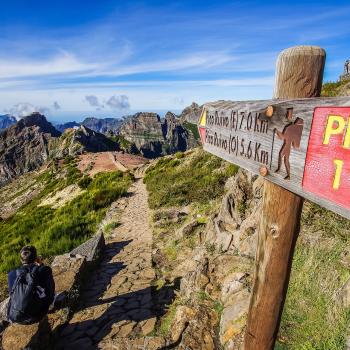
(302, 145)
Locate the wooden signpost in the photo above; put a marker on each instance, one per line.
(290, 142)
(301, 145)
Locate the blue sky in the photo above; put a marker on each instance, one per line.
(71, 59)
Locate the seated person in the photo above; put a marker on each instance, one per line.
(31, 287)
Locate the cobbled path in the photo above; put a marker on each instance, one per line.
(117, 302)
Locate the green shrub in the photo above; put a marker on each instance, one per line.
(330, 89)
(84, 182)
(193, 129)
(198, 178)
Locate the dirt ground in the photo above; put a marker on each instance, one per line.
(93, 163)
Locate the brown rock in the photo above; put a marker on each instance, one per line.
(196, 280)
(233, 319)
(232, 284)
(182, 316)
(148, 326)
(17, 337)
(194, 327)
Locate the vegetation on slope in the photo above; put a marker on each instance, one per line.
(192, 177)
(54, 231)
(312, 318)
(337, 88)
(193, 128)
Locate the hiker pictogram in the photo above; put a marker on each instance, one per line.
(291, 135)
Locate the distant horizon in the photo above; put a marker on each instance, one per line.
(77, 116)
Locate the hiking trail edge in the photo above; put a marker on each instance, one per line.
(117, 301)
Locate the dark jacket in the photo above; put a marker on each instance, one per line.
(45, 280)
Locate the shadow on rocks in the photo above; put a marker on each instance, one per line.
(132, 307)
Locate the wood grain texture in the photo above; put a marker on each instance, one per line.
(298, 70)
(242, 121)
(280, 219)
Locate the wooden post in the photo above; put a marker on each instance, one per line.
(299, 74)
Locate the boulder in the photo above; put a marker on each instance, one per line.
(196, 280)
(68, 270)
(193, 328)
(233, 283)
(233, 318)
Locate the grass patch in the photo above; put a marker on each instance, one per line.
(193, 129)
(54, 231)
(312, 320)
(195, 178)
(171, 250)
(331, 89)
(108, 228)
(167, 320)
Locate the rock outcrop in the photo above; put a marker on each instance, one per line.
(65, 126)
(25, 146)
(191, 113)
(103, 126)
(78, 140)
(216, 271)
(154, 137)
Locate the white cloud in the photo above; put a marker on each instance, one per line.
(93, 101)
(63, 64)
(24, 109)
(118, 102)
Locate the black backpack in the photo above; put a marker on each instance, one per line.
(28, 300)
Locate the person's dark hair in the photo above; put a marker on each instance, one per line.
(28, 254)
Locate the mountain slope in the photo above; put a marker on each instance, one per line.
(79, 140)
(154, 137)
(28, 144)
(24, 146)
(104, 126)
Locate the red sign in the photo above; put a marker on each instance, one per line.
(327, 167)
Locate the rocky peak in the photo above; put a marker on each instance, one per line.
(37, 120)
(154, 137)
(24, 146)
(82, 139)
(191, 113)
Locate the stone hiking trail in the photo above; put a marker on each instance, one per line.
(116, 309)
